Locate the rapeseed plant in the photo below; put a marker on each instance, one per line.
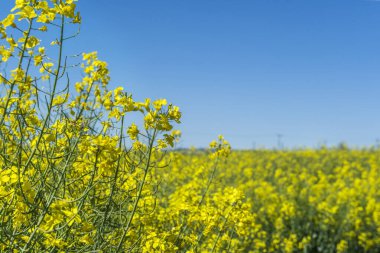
(74, 174)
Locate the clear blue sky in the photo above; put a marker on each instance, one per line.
(247, 69)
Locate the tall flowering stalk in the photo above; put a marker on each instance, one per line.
(73, 170)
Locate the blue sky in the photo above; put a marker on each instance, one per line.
(247, 69)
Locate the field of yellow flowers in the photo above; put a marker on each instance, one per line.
(273, 201)
(76, 175)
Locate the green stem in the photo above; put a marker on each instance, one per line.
(18, 66)
(138, 194)
(52, 95)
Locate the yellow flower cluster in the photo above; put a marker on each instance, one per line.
(75, 174)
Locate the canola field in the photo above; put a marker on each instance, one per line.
(276, 201)
(78, 175)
